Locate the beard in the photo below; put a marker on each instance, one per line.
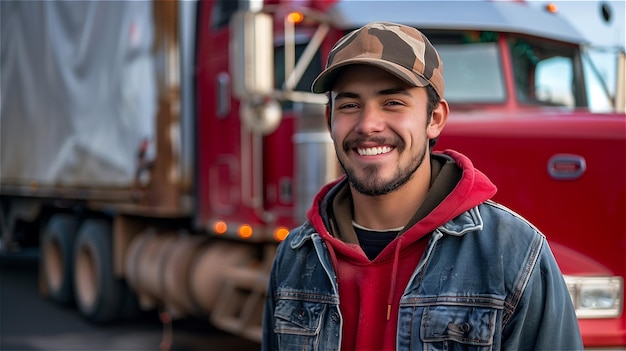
(371, 182)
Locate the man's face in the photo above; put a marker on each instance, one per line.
(379, 128)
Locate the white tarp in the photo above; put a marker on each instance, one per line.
(78, 91)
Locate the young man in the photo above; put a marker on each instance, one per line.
(407, 251)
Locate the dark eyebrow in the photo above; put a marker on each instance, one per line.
(393, 91)
(390, 91)
(346, 95)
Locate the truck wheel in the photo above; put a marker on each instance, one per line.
(57, 261)
(97, 291)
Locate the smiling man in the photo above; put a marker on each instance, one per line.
(407, 251)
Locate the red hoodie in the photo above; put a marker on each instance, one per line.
(370, 291)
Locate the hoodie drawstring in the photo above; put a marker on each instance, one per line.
(394, 273)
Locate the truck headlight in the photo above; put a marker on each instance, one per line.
(596, 297)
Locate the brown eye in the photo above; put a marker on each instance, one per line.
(394, 103)
(347, 106)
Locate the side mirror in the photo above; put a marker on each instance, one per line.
(252, 55)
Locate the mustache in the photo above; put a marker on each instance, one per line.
(352, 143)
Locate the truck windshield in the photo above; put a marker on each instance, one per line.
(472, 72)
(545, 72)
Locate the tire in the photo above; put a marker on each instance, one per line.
(98, 293)
(58, 257)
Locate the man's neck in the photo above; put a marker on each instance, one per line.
(396, 208)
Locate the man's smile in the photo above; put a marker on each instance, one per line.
(373, 151)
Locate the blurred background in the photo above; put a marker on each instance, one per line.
(153, 155)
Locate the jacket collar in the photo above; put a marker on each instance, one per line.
(467, 221)
(301, 234)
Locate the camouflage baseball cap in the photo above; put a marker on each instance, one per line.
(398, 49)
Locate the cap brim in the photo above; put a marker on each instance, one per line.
(325, 80)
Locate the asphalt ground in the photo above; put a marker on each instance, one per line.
(29, 322)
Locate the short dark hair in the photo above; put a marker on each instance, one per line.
(433, 100)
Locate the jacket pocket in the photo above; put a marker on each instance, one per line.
(453, 327)
(298, 324)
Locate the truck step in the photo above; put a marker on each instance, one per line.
(239, 307)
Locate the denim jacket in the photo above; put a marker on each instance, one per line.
(487, 281)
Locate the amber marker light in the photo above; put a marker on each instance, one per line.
(552, 8)
(295, 17)
(220, 227)
(281, 233)
(245, 231)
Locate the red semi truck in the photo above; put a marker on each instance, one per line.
(157, 152)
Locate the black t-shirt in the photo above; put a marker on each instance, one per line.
(373, 242)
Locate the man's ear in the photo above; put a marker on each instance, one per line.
(438, 119)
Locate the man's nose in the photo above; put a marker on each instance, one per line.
(370, 121)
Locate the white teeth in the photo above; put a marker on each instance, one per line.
(371, 151)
